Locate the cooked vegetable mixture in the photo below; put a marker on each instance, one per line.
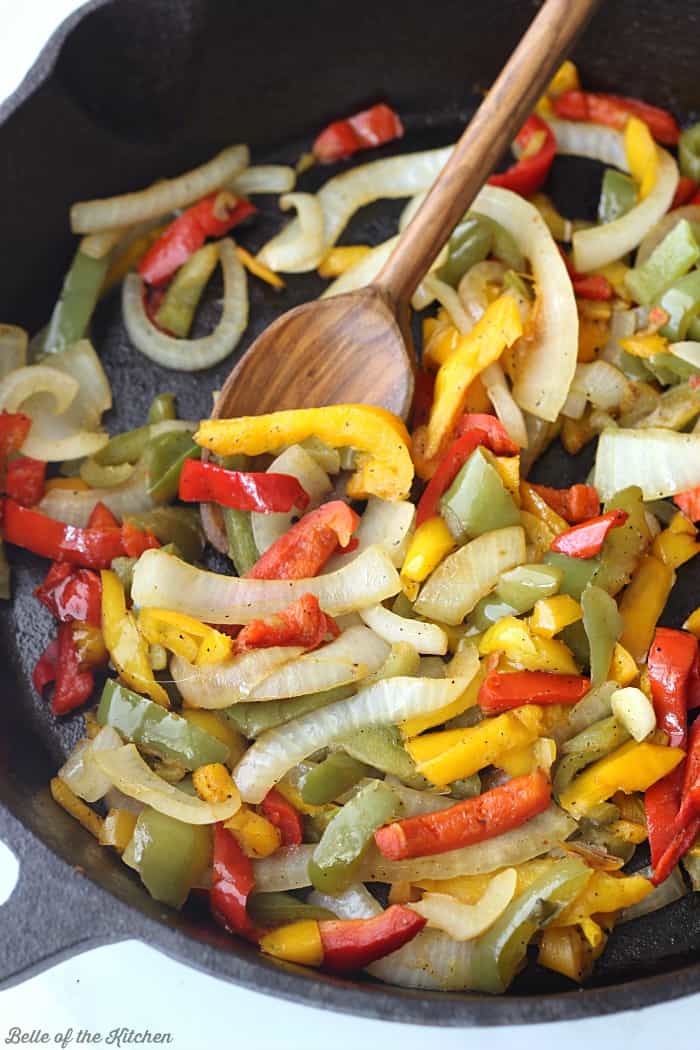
(428, 716)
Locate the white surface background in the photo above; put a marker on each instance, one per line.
(132, 986)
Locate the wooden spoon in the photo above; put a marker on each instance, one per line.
(356, 348)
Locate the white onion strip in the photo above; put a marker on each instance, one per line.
(662, 462)
(296, 462)
(216, 686)
(386, 523)
(306, 250)
(112, 212)
(13, 348)
(426, 638)
(190, 355)
(263, 178)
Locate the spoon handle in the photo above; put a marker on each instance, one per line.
(483, 142)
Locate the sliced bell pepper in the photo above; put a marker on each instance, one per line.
(642, 155)
(348, 835)
(62, 664)
(643, 602)
(332, 778)
(431, 542)
(71, 314)
(552, 615)
(672, 659)
(301, 623)
(372, 127)
(689, 503)
(212, 216)
(504, 691)
(170, 856)
(284, 816)
(135, 540)
(306, 547)
(72, 594)
(537, 147)
(422, 398)
(352, 944)
(14, 427)
(90, 548)
(586, 539)
(686, 823)
(576, 504)
(685, 191)
(603, 626)
(101, 517)
(632, 767)
(472, 820)
(615, 111)
(618, 195)
(477, 501)
(256, 835)
(197, 642)
(241, 490)
(385, 468)
(127, 648)
(232, 883)
(177, 307)
(25, 480)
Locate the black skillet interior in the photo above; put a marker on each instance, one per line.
(144, 88)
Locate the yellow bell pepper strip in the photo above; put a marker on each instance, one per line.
(259, 269)
(127, 648)
(633, 767)
(431, 542)
(79, 810)
(216, 726)
(385, 468)
(498, 329)
(627, 830)
(604, 893)
(512, 637)
(256, 835)
(71, 484)
(456, 753)
(340, 259)
(565, 950)
(642, 155)
(566, 78)
(521, 761)
(508, 468)
(676, 544)
(692, 624)
(117, 829)
(298, 942)
(643, 602)
(539, 536)
(469, 698)
(534, 503)
(213, 783)
(191, 639)
(644, 346)
(552, 615)
(441, 343)
(682, 525)
(623, 668)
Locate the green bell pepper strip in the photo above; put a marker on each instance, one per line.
(689, 152)
(523, 586)
(477, 501)
(381, 748)
(577, 573)
(71, 314)
(466, 787)
(316, 823)
(348, 835)
(251, 719)
(514, 281)
(163, 457)
(499, 953)
(238, 525)
(603, 626)
(171, 857)
(504, 247)
(156, 730)
(668, 369)
(488, 611)
(129, 446)
(603, 838)
(332, 778)
(592, 744)
(470, 243)
(575, 637)
(178, 525)
(176, 311)
(403, 660)
(162, 407)
(278, 909)
(624, 546)
(682, 303)
(618, 194)
(328, 458)
(671, 259)
(5, 589)
(98, 476)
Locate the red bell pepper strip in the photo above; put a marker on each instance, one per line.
(212, 216)
(284, 816)
(661, 803)
(474, 820)
(135, 541)
(240, 489)
(304, 550)
(472, 430)
(575, 504)
(101, 517)
(72, 594)
(689, 503)
(25, 480)
(670, 665)
(585, 285)
(301, 623)
(232, 883)
(685, 190)
(422, 398)
(501, 691)
(14, 427)
(614, 111)
(45, 667)
(372, 127)
(685, 826)
(36, 532)
(586, 540)
(74, 684)
(351, 944)
(528, 174)
(695, 199)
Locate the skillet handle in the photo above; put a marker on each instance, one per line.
(53, 912)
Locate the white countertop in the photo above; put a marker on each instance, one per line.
(132, 987)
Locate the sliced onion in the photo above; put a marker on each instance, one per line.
(504, 404)
(263, 178)
(662, 462)
(356, 902)
(670, 890)
(622, 324)
(473, 287)
(130, 774)
(424, 637)
(448, 298)
(191, 355)
(98, 245)
(384, 703)
(544, 376)
(164, 196)
(464, 922)
(305, 251)
(80, 771)
(343, 195)
(385, 523)
(414, 803)
(23, 383)
(295, 461)
(95, 394)
(356, 653)
(369, 266)
(74, 507)
(13, 348)
(215, 686)
(286, 869)
(468, 575)
(164, 581)
(601, 383)
(432, 961)
(595, 141)
(691, 212)
(687, 351)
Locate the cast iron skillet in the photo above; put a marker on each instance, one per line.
(126, 92)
